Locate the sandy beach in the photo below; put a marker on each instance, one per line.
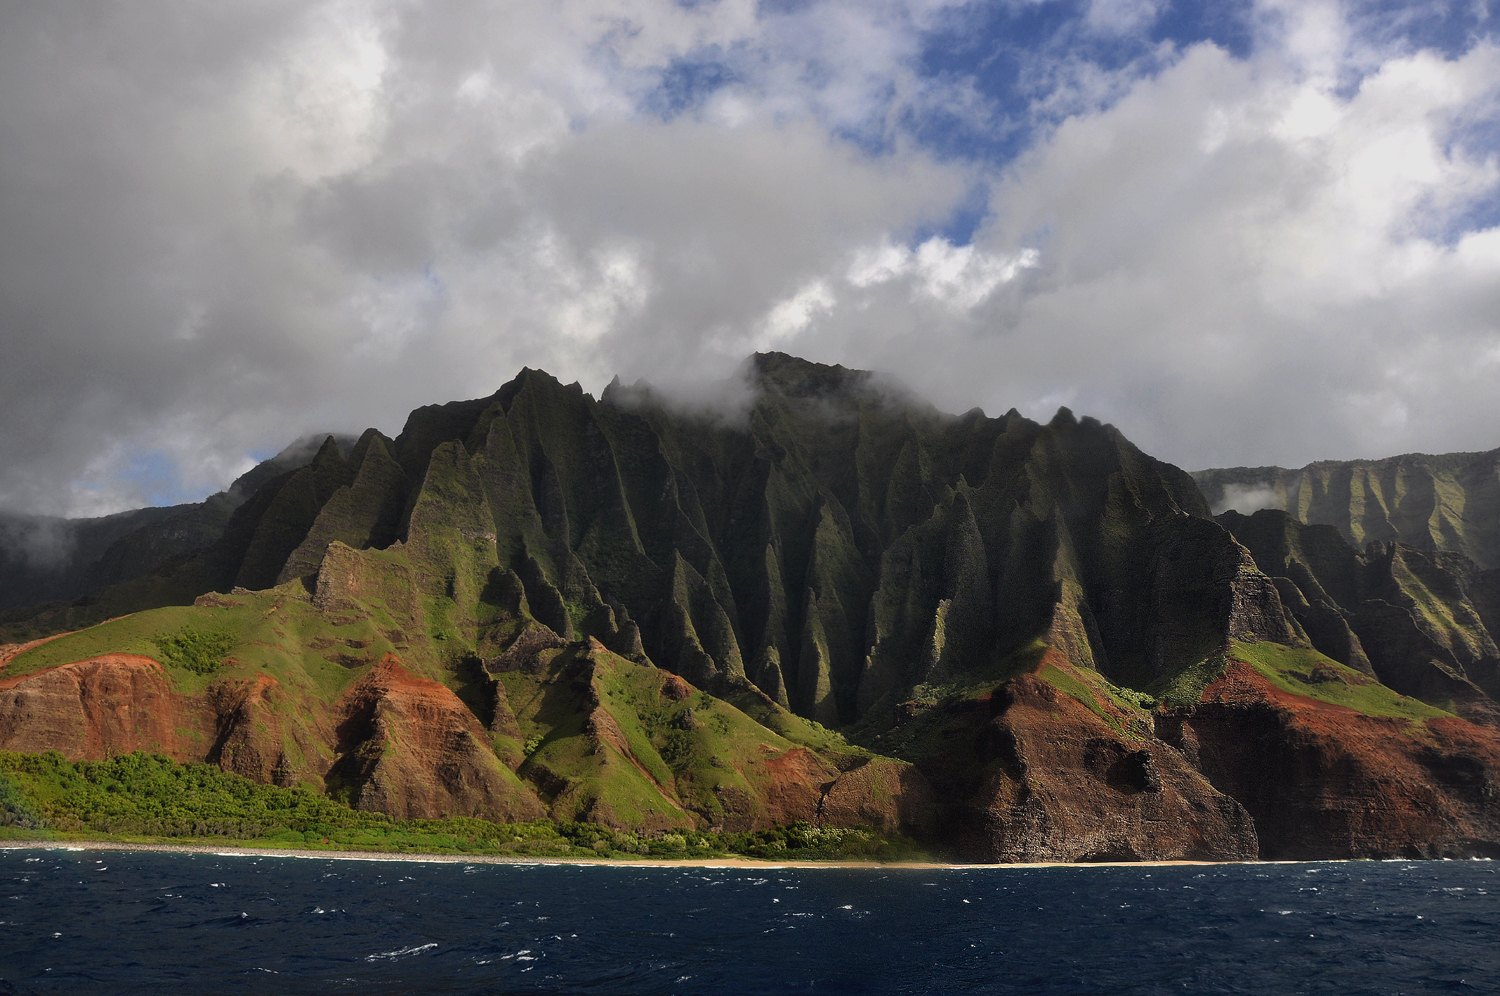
(732, 861)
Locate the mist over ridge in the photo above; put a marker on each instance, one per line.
(1247, 233)
(835, 604)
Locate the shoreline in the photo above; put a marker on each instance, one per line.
(728, 861)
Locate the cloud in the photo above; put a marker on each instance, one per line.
(1247, 498)
(224, 227)
(959, 277)
(1118, 17)
(795, 314)
(1243, 269)
(36, 544)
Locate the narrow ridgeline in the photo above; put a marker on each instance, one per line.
(1448, 503)
(831, 602)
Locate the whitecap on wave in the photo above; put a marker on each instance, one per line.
(401, 952)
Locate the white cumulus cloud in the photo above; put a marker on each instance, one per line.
(224, 226)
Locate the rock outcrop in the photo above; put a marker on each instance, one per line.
(111, 704)
(1033, 774)
(1324, 781)
(409, 748)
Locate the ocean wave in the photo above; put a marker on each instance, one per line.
(401, 952)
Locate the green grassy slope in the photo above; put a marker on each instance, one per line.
(1312, 675)
(277, 631)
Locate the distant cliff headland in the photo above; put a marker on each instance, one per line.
(1448, 503)
(835, 607)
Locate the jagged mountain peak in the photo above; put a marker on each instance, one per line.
(298, 453)
(799, 378)
(791, 377)
(997, 602)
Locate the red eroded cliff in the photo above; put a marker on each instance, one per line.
(113, 704)
(1324, 781)
(410, 748)
(1035, 775)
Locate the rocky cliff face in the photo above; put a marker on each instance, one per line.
(1322, 780)
(112, 704)
(1423, 624)
(1448, 503)
(1031, 773)
(619, 611)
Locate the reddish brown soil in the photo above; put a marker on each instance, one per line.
(1324, 781)
(412, 749)
(1034, 775)
(114, 704)
(794, 784)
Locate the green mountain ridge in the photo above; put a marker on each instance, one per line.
(44, 558)
(1034, 640)
(1447, 503)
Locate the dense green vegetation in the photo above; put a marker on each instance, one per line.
(148, 797)
(194, 650)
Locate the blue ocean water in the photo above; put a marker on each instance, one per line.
(136, 922)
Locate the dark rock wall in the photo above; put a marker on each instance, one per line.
(835, 543)
(1419, 622)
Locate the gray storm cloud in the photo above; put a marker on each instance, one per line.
(224, 226)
